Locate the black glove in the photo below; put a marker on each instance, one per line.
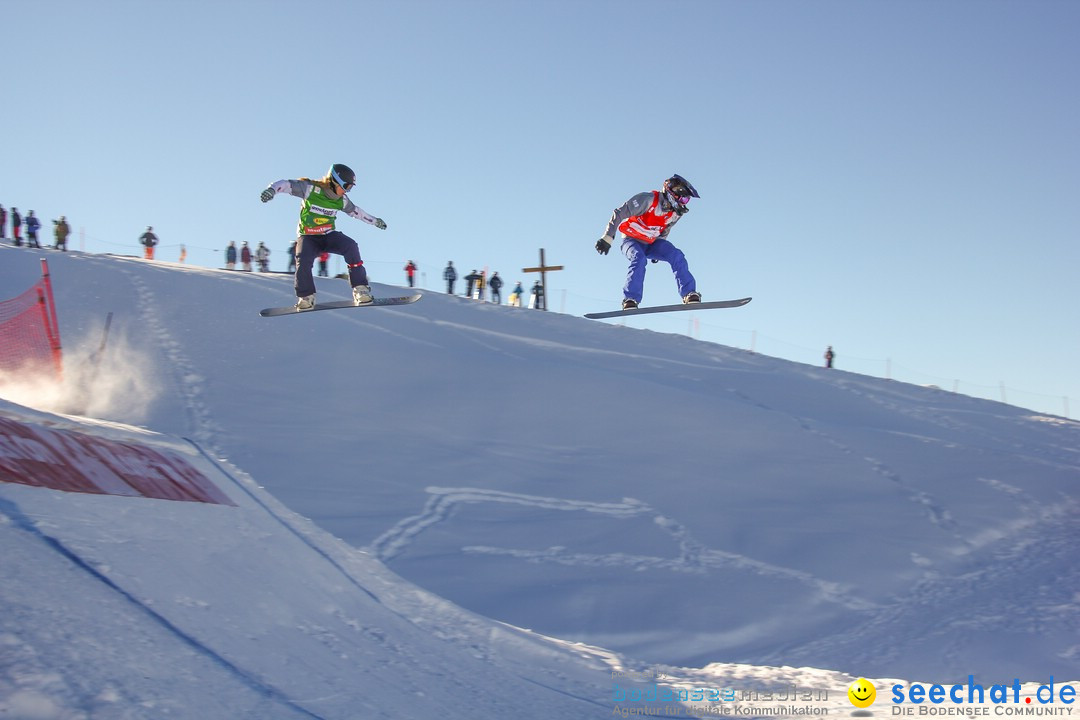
(267, 195)
(603, 246)
(379, 223)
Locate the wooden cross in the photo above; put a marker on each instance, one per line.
(543, 269)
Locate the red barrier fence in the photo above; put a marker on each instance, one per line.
(29, 332)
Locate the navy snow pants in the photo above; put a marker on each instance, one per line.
(309, 247)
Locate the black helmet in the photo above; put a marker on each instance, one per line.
(680, 187)
(343, 175)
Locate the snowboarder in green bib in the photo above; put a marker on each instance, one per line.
(322, 200)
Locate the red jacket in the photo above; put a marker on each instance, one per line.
(647, 226)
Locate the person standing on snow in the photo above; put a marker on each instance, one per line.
(470, 282)
(410, 273)
(536, 300)
(16, 227)
(62, 230)
(149, 240)
(450, 276)
(262, 256)
(645, 221)
(32, 227)
(515, 295)
(290, 252)
(481, 285)
(321, 202)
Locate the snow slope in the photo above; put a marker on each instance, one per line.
(128, 607)
(120, 606)
(677, 502)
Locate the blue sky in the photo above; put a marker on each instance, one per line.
(897, 179)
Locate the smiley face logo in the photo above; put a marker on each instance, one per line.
(862, 693)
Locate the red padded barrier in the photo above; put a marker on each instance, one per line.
(78, 462)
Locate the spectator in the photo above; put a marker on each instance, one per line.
(16, 227)
(515, 296)
(32, 227)
(829, 355)
(230, 256)
(536, 301)
(183, 253)
(62, 230)
(3, 223)
(450, 276)
(262, 256)
(245, 257)
(410, 273)
(292, 256)
(149, 240)
(323, 259)
(496, 284)
(470, 281)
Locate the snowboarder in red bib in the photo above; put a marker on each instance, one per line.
(322, 200)
(645, 221)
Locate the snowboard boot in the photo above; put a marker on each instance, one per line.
(305, 303)
(361, 295)
(629, 304)
(692, 297)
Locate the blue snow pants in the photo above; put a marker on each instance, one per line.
(639, 254)
(309, 247)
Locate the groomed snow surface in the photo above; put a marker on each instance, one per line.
(458, 510)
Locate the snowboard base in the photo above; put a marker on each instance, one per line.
(670, 308)
(340, 305)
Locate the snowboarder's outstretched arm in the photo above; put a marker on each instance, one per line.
(302, 188)
(353, 211)
(293, 187)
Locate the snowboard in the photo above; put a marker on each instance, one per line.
(670, 308)
(340, 305)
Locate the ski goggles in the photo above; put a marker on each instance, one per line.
(344, 185)
(680, 195)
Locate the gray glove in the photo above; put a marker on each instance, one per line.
(380, 224)
(267, 194)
